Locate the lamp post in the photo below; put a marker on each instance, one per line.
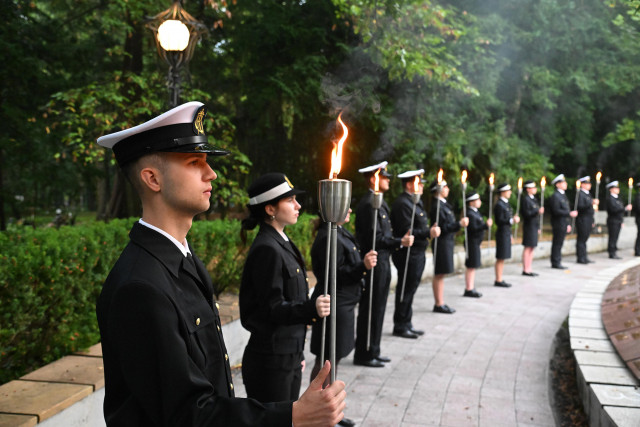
(176, 34)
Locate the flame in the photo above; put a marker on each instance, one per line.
(543, 182)
(598, 176)
(336, 154)
(578, 185)
(520, 183)
(630, 182)
(377, 184)
(463, 177)
(491, 177)
(440, 172)
(416, 186)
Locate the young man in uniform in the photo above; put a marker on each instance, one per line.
(530, 212)
(560, 213)
(615, 218)
(584, 220)
(165, 360)
(379, 286)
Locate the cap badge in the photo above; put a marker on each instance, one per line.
(198, 121)
(288, 182)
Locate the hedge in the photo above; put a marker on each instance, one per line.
(50, 280)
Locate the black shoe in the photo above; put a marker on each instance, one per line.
(418, 332)
(373, 363)
(444, 308)
(405, 334)
(590, 261)
(346, 422)
(559, 267)
(502, 284)
(471, 293)
(529, 273)
(614, 256)
(383, 359)
(582, 261)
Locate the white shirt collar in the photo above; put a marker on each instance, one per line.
(584, 191)
(531, 196)
(504, 200)
(184, 247)
(473, 209)
(560, 191)
(615, 196)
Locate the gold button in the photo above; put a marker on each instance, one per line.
(231, 386)
(218, 328)
(384, 216)
(218, 306)
(364, 274)
(226, 357)
(306, 278)
(197, 321)
(297, 270)
(421, 214)
(354, 248)
(313, 320)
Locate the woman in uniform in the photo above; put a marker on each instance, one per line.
(530, 212)
(504, 218)
(274, 302)
(475, 233)
(352, 269)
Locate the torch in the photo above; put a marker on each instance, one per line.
(415, 198)
(575, 205)
(598, 176)
(543, 183)
(518, 202)
(334, 197)
(376, 202)
(491, 179)
(435, 242)
(463, 180)
(630, 191)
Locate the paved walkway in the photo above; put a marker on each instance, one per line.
(486, 365)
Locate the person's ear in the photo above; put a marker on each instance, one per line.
(270, 210)
(151, 179)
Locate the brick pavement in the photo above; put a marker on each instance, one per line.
(486, 365)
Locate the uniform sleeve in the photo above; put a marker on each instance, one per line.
(364, 229)
(614, 206)
(528, 208)
(266, 267)
(557, 207)
(163, 379)
(584, 204)
(502, 217)
(401, 218)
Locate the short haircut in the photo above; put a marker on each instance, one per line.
(132, 169)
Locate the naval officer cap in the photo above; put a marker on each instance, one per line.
(558, 179)
(585, 179)
(270, 188)
(503, 187)
(472, 196)
(370, 170)
(529, 184)
(410, 175)
(434, 186)
(613, 184)
(179, 130)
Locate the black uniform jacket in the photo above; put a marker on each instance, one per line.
(385, 241)
(274, 295)
(503, 215)
(585, 209)
(636, 208)
(349, 282)
(401, 222)
(559, 209)
(615, 210)
(475, 234)
(164, 356)
(449, 226)
(530, 215)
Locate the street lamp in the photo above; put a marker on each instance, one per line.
(176, 34)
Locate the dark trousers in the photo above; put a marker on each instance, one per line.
(272, 377)
(403, 311)
(614, 232)
(584, 230)
(559, 233)
(637, 251)
(381, 281)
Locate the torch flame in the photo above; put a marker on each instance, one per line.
(463, 177)
(336, 154)
(578, 185)
(377, 184)
(491, 177)
(440, 172)
(543, 182)
(416, 182)
(520, 183)
(630, 182)
(598, 176)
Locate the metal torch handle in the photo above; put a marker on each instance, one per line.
(373, 248)
(435, 242)
(332, 347)
(326, 290)
(406, 261)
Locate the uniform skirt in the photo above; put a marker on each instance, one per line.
(474, 260)
(503, 242)
(530, 234)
